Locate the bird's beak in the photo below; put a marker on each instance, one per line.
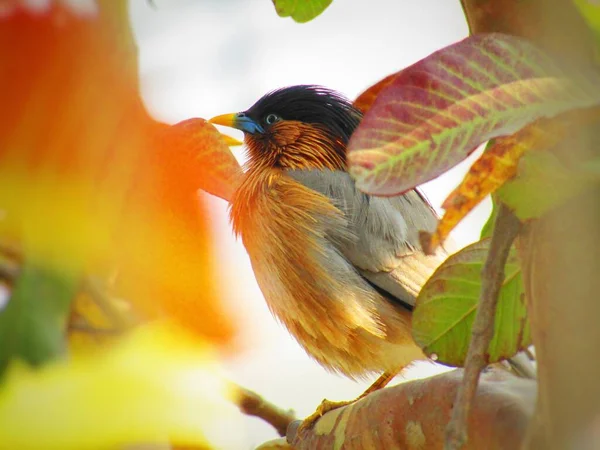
(231, 141)
(239, 121)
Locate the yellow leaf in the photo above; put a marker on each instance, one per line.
(157, 386)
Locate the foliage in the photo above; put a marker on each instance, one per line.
(501, 161)
(31, 329)
(434, 113)
(426, 118)
(446, 307)
(156, 386)
(590, 10)
(212, 166)
(91, 189)
(544, 182)
(300, 10)
(94, 189)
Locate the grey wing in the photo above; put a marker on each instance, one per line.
(386, 250)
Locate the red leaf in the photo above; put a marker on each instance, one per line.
(499, 164)
(436, 112)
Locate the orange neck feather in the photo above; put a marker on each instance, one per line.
(296, 145)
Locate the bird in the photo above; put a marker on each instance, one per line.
(340, 269)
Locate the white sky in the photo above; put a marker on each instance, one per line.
(200, 58)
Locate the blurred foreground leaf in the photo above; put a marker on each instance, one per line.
(201, 154)
(32, 325)
(87, 183)
(590, 10)
(543, 183)
(158, 386)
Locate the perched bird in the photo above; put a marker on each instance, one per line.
(339, 268)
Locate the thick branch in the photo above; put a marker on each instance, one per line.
(561, 264)
(506, 229)
(252, 404)
(559, 253)
(413, 416)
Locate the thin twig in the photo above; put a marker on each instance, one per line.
(506, 228)
(10, 262)
(81, 325)
(252, 404)
(9, 270)
(11, 250)
(97, 292)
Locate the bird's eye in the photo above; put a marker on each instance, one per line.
(270, 119)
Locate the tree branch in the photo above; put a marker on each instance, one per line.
(558, 252)
(413, 416)
(252, 404)
(506, 228)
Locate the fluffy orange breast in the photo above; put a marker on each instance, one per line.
(308, 285)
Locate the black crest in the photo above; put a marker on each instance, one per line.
(309, 104)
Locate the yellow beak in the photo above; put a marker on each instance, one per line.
(231, 141)
(227, 120)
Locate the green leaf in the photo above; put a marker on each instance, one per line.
(300, 10)
(32, 325)
(590, 10)
(434, 113)
(543, 182)
(446, 307)
(488, 227)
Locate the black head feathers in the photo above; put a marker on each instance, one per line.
(308, 104)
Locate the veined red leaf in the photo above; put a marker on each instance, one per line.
(498, 164)
(201, 154)
(436, 112)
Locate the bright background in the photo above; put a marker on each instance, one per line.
(200, 58)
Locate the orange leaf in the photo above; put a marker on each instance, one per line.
(366, 99)
(200, 154)
(498, 164)
(86, 182)
(167, 259)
